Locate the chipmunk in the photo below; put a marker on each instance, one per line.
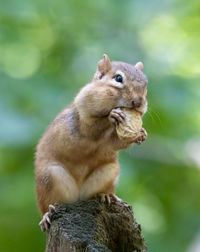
(77, 157)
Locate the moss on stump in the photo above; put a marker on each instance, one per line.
(92, 226)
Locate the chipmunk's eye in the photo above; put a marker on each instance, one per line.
(118, 78)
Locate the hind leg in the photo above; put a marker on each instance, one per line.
(54, 184)
(102, 183)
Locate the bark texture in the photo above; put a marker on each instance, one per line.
(92, 226)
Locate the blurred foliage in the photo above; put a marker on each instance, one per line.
(48, 50)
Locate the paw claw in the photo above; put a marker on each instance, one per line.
(116, 116)
(45, 223)
(115, 198)
(52, 208)
(143, 132)
(107, 198)
(142, 137)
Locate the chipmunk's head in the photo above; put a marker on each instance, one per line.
(126, 85)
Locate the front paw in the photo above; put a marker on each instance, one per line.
(142, 137)
(116, 116)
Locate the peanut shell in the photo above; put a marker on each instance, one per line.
(130, 128)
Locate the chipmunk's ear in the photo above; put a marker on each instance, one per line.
(104, 65)
(139, 65)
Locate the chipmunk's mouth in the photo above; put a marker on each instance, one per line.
(142, 109)
(141, 112)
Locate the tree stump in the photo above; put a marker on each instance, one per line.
(93, 226)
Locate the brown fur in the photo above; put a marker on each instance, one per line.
(77, 156)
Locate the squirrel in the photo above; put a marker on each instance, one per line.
(77, 157)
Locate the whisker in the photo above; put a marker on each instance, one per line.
(156, 114)
(148, 112)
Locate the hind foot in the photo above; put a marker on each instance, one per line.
(45, 223)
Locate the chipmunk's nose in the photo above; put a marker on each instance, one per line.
(137, 102)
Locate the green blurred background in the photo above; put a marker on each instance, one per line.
(48, 51)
